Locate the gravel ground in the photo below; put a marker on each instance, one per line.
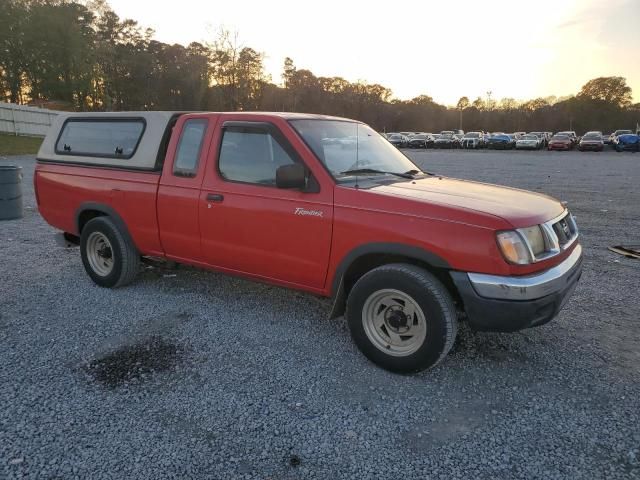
(191, 374)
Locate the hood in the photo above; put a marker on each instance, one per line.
(520, 208)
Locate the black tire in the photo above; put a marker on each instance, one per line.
(428, 293)
(126, 259)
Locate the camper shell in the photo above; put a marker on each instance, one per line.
(129, 140)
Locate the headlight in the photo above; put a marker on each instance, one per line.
(534, 238)
(513, 247)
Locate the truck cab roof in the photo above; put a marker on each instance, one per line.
(133, 140)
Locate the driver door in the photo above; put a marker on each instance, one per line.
(249, 225)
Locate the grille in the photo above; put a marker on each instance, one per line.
(559, 234)
(565, 229)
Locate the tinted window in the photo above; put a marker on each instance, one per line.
(100, 138)
(188, 152)
(251, 155)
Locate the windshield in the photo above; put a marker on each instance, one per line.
(529, 137)
(343, 146)
(593, 136)
(472, 135)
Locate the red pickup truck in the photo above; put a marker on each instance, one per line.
(321, 204)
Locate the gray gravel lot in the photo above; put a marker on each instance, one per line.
(200, 375)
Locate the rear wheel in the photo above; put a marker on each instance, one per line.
(402, 318)
(108, 255)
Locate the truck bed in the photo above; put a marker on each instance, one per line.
(61, 191)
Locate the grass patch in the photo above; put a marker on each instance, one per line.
(12, 145)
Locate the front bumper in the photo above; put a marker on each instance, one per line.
(591, 146)
(506, 304)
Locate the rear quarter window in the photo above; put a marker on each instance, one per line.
(106, 138)
(189, 148)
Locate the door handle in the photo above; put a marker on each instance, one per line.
(215, 197)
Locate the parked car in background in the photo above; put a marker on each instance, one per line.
(628, 142)
(419, 140)
(447, 132)
(458, 132)
(544, 138)
(528, 142)
(591, 141)
(571, 134)
(560, 142)
(446, 140)
(472, 140)
(431, 138)
(398, 140)
(616, 134)
(501, 141)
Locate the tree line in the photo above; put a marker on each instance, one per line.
(82, 56)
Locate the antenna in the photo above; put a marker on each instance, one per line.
(357, 152)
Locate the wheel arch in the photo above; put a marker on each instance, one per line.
(365, 258)
(90, 210)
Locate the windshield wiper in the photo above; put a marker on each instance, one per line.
(364, 171)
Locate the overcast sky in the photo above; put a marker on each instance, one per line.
(443, 49)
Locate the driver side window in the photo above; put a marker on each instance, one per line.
(251, 155)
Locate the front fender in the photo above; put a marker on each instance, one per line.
(338, 291)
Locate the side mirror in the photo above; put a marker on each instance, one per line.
(291, 176)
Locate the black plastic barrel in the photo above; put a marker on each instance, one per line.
(10, 192)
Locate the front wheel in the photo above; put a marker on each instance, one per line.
(109, 256)
(402, 318)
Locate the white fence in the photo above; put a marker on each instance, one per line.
(22, 120)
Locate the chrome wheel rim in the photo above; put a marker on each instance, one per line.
(100, 254)
(394, 322)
